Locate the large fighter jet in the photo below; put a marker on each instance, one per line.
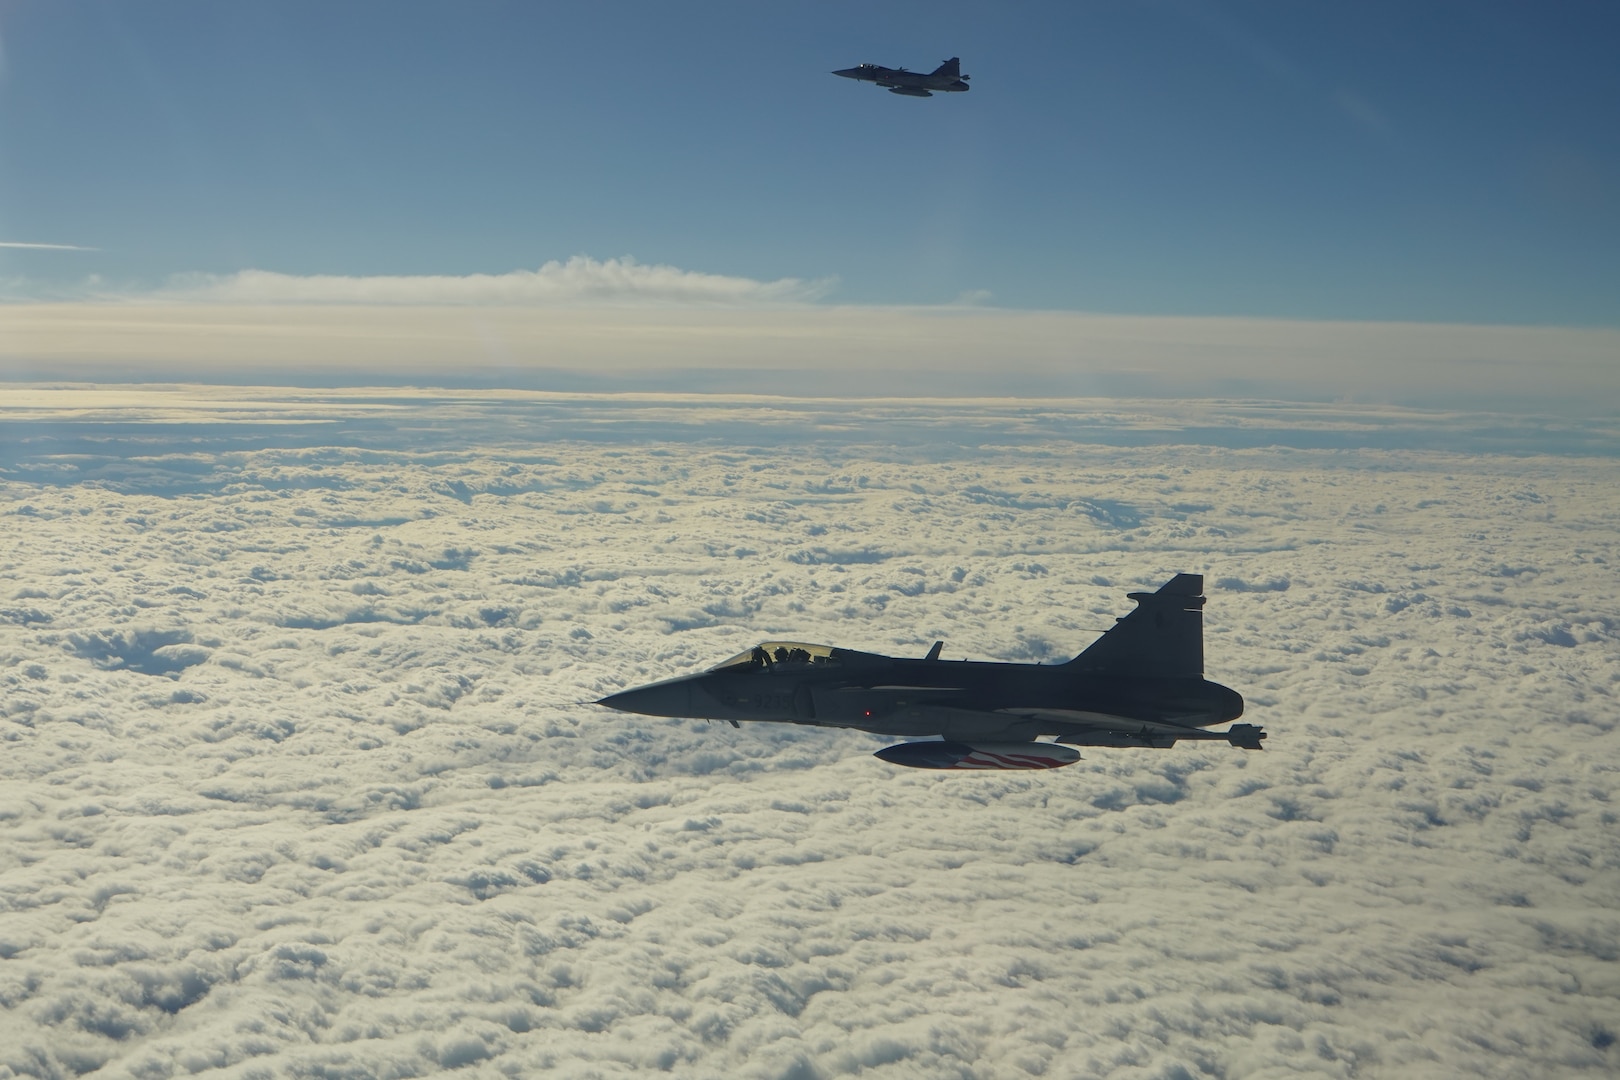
(947, 77)
(1140, 684)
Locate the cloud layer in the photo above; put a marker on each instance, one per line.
(579, 280)
(293, 783)
(63, 419)
(797, 349)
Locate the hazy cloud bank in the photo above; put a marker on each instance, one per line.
(107, 424)
(723, 341)
(292, 783)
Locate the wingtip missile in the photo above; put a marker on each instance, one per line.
(1246, 736)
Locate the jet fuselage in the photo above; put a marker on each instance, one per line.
(947, 78)
(1140, 684)
(959, 699)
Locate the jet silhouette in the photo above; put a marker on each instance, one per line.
(1140, 684)
(947, 77)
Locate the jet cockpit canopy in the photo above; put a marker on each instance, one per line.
(771, 654)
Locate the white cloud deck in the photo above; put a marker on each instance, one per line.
(290, 780)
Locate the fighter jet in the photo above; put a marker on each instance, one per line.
(947, 77)
(1140, 684)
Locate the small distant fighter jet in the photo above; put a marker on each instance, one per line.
(947, 77)
(1140, 684)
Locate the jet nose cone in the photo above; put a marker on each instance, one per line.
(671, 698)
(848, 73)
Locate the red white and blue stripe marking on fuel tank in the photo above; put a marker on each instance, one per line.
(983, 755)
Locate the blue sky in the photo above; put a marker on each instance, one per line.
(1376, 161)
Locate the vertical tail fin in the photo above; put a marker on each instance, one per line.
(1162, 638)
(951, 68)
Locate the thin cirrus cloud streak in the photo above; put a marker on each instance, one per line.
(19, 244)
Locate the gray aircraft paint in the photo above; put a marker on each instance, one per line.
(1140, 684)
(947, 78)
